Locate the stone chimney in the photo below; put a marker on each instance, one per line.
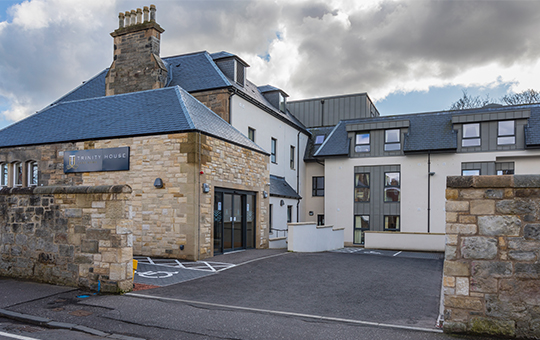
(136, 65)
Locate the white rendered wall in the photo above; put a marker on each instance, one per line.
(339, 187)
(279, 213)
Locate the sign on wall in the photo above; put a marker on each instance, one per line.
(113, 159)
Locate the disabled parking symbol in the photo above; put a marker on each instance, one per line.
(156, 274)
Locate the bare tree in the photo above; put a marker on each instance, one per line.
(526, 97)
(470, 102)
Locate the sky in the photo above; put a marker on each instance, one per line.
(409, 56)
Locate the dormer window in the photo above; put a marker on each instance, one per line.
(506, 133)
(240, 73)
(392, 140)
(471, 135)
(362, 142)
(319, 139)
(282, 103)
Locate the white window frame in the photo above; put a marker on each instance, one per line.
(4, 174)
(31, 182)
(16, 166)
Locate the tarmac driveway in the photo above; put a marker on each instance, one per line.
(382, 289)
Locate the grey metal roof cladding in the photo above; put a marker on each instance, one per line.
(280, 188)
(150, 112)
(432, 131)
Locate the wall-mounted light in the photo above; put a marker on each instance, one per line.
(432, 173)
(205, 188)
(282, 203)
(265, 194)
(311, 213)
(158, 183)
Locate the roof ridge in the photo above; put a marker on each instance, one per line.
(178, 91)
(214, 65)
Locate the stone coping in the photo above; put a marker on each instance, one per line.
(496, 181)
(402, 233)
(324, 226)
(50, 190)
(277, 238)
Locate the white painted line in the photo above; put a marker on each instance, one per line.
(310, 316)
(260, 258)
(180, 264)
(14, 336)
(396, 254)
(209, 266)
(150, 260)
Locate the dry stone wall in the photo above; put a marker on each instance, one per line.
(76, 236)
(492, 264)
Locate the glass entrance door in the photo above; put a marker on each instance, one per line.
(234, 220)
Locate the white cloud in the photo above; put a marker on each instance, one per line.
(326, 47)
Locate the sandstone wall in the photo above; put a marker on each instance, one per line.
(217, 101)
(492, 266)
(77, 236)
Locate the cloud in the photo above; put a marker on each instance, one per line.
(309, 48)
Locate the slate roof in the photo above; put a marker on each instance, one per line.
(280, 188)
(193, 72)
(431, 131)
(311, 147)
(152, 112)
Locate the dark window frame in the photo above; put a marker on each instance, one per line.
(386, 219)
(318, 139)
(293, 158)
(358, 146)
(289, 213)
(390, 186)
(251, 134)
(320, 219)
(315, 188)
(502, 137)
(273, 150)
(270, 219)
(465, 139)
(392, 145)
(362, 230)
(365, 189)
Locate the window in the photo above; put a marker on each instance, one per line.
(4, 179)
(282, 102)
(273, 151)
(504, 168)
(271, 208)
(362, 142)
(318, 186)
(292, 157)
(392, 140)
(506, 133)
(17, 174)
(319, 139)
(473, 172)
(251, 134)
(289, 213)
(471, 135)
(361, 224)
(391, 223)
(361, 188)
(320, 219)
(391, 187)
(32, 174)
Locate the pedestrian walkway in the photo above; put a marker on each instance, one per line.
(393, 253)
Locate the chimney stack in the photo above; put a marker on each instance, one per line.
(136, 65)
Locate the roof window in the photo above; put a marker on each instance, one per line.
(319, 139)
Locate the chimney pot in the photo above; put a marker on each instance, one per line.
(139, 16)
(121, 20)
(128, 16)
(146, 11)
(152, 12)
(133, 17)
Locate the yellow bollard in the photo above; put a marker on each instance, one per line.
(135, 262)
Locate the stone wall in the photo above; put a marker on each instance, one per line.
(217, 101)
(76, 236)
(492, 266)
(174, 221)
